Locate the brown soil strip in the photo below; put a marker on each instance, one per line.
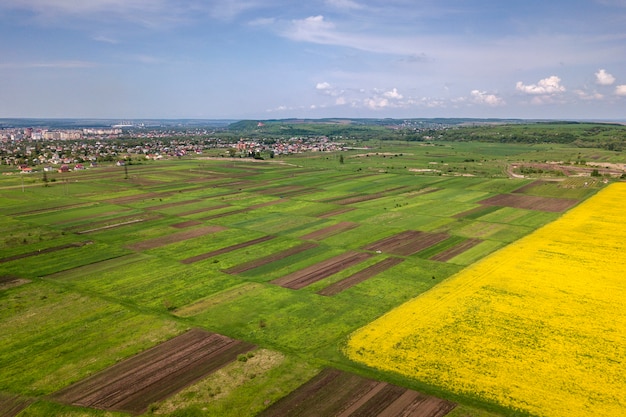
(47, 250)
(530, 202)
(202, 210)
(221, 251)
(132, 385)
(184, 225)
(52, 209)
(336, 212)
(175, 237)
(176, 204)
(288, 190)
(527, 187)
(360, 276)
(134, 198)
(10, 281)
(455, 250)
(314, 273)
(334, 199)
(244, 210)
(337, 393)
(475, 210)
(329, 231)
(12, 405)
(271, 258)
(93, 216)
(407, 243)
(108, 225)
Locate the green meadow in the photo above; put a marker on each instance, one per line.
(79, 292)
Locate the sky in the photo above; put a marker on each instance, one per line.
(272, 59)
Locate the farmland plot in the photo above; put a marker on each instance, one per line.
(336, 393)
(537, 327)
(155, 374)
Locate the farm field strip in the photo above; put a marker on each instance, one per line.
(531, 202)
(112, 224)
(407, 243)
(154, 374)
(44, 251)
(227, 249)
(456, 250)
(243, 210)
(335, 212)
(360, 276)
(186, 224)
(337, 393)
(12, 405)
(321, 270)
(238, 269)
(329, 231)
(175, 237)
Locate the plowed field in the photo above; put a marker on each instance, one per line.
(330, 230)
(135, 383)
(530, 202)
(226, 249)
(314, 273)
(407, 243)
(360, 276)
(340, 394)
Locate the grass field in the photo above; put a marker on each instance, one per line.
(96, 267)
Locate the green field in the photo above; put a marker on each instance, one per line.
(78, 293)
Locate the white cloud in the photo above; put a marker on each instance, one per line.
(604, 78)
(323, 86)
(482, 97)
(311, 29)
(583, 95)
(376, 103)
(393, 94)
(620, 90)
(550, 85)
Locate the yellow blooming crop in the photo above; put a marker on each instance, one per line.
(538, 326)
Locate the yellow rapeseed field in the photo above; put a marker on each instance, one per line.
(539, 326)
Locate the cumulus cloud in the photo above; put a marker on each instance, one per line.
(620, 90)
(604, 78)
(482, 97)
(323, 86)
(584, 95)
(550, 85)
(376, 103)
(393, 94)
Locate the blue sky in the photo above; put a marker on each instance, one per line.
(263, 59)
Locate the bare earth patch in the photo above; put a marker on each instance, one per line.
(132, 385)
(175, 237)
(360, 276)
(226, 249)
(407, 243)
(337, 393)
(184, 225)
(335, 212)
(314, 273)
(330, 231)
(12, 405)
(530, 202)
(10, 281)
(271, 258)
